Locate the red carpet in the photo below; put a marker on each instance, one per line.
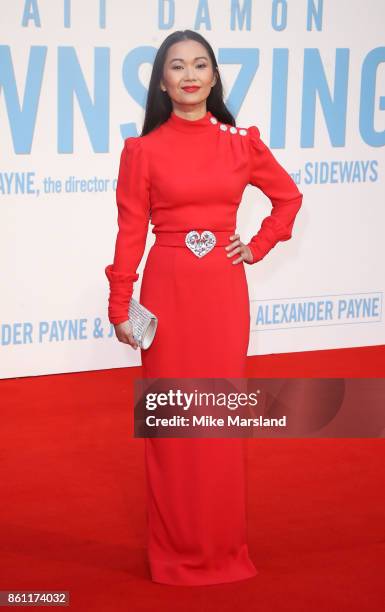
(73, 500)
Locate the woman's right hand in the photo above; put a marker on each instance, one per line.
(124, 333)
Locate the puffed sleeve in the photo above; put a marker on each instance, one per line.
(267, 174)
(133, 202)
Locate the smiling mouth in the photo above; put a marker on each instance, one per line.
(190, 88)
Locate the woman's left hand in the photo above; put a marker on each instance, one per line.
(237, 246)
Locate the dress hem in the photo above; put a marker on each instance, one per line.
(205, 581)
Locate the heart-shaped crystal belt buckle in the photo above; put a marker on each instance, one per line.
(200, 244)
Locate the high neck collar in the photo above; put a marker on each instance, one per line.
(189, 125)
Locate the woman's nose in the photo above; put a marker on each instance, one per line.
(190, 74)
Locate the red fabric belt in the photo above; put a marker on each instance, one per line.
(179, 238)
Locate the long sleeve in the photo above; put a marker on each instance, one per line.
(268, 175)
(133, 202)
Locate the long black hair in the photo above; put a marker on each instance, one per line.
(159, 104)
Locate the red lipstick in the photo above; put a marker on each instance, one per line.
(190, 88)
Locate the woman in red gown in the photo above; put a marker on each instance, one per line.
(187, 171)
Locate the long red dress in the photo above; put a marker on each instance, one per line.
(190, 175)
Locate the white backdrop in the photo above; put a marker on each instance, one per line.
(73, 79)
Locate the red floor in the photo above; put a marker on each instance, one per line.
(72, 515)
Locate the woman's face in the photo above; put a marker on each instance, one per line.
(187, 63)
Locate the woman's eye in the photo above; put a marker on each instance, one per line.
(198, 66)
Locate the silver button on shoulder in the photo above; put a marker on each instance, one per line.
(213, 120)
(223, 127)
(243, 132)
(233, 130)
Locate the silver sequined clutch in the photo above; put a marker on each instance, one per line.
(144, 323)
